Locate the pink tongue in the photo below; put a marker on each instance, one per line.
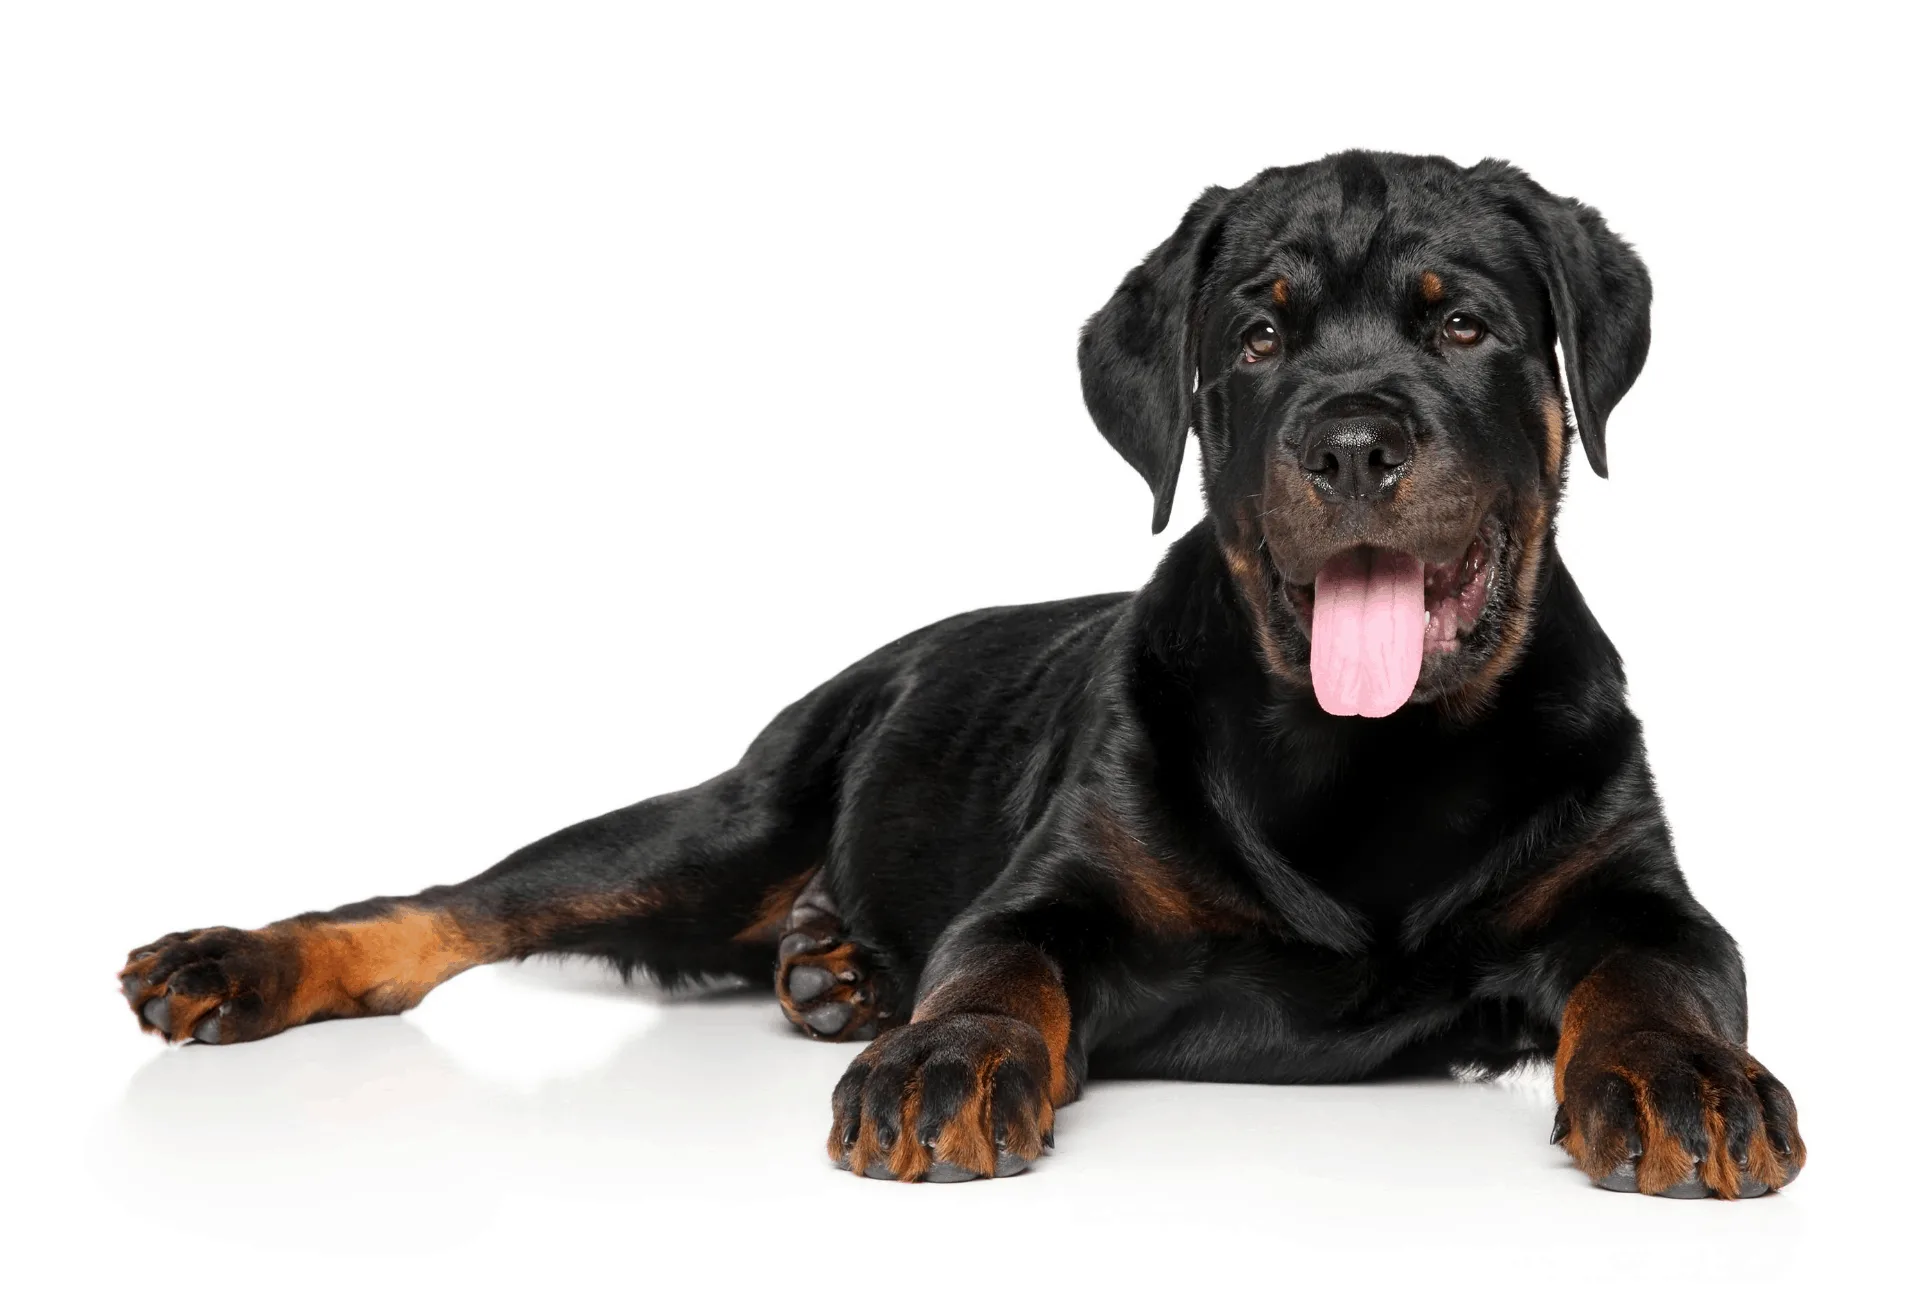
(1369, 614)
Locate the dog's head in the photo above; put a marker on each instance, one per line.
(1364, 347)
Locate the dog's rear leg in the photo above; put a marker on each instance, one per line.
(697, 883)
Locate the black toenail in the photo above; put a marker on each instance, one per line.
(158, 1014)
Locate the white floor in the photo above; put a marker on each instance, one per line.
(543, 1125)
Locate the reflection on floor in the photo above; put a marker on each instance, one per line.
(523, 1108)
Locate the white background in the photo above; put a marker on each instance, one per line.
(425, 427)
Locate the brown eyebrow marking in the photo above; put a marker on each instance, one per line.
(1431, 287)
(1280, 291)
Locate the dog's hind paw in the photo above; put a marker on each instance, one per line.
(826, 986)
(826, 980)
(211, 986)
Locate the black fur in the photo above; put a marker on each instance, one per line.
(1118, 836)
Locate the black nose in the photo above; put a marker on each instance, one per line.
(1358, 456)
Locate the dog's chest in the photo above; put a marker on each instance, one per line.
(1264, 1009)
(1384, 845)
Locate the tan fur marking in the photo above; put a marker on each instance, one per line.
(1431, 287)
(770, 920)
(966, 1140)
(1573, 1028)
(377, 966)
(1718, 1171)
(1621, 1025)
(1149, 890)
(1250, 579)
(1797, 1147)
(1535, 901)
(1153, 893)
(187, 1012)
(1556, 437)
(857, 993)
(1592, 1011)
(866, 1149)
(1025, 989)
(909, 1160)
(1280, 290)
(1470, 699)
(1575, 1146)
(1663, 1162)
(1764, 1164)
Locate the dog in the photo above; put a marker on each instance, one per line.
(1348, 789)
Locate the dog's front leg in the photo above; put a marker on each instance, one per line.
(1657, 1090)
(967, 1088)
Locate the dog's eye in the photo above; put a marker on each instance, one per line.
(1464, 329)
(1260, 342)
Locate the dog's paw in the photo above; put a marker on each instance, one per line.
(212, 986)
(1679, 1115)
(826, 987)
(945, 1100)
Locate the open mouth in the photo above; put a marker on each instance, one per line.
(1456, 592)
(1375, 614)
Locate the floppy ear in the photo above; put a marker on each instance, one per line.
(1137, 354)
(1601, 299)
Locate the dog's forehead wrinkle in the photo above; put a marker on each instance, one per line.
(1377, 280)
(1379, 217)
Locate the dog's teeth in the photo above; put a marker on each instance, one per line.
(1429, 619)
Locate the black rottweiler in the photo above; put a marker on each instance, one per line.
(1349, 788)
